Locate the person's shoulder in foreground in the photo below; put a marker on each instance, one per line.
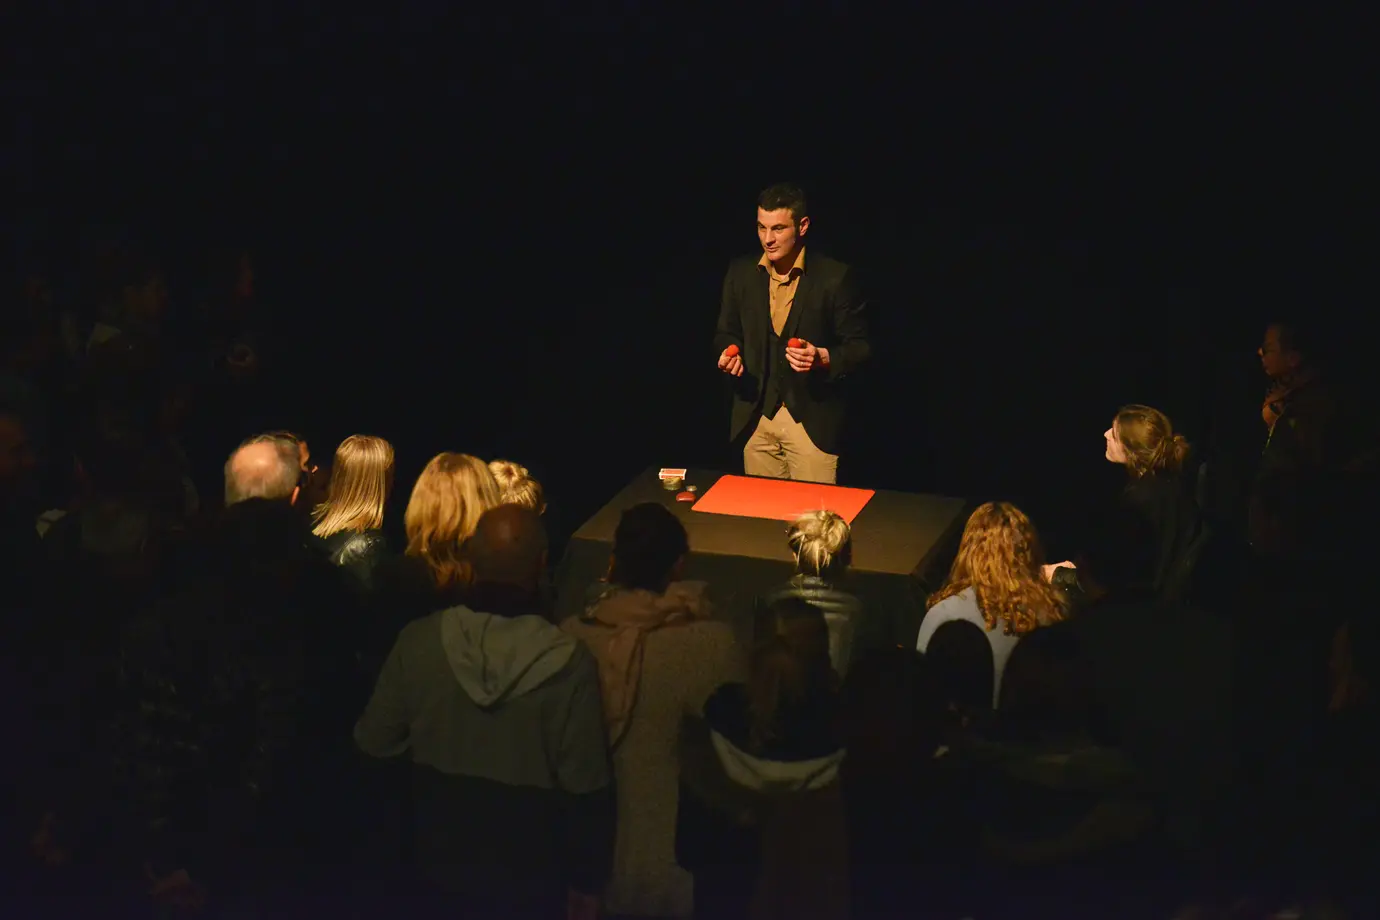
(960, 606)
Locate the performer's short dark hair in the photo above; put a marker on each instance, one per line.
(784, 195)
(646, 546)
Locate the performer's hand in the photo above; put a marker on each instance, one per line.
(804, 358)
(731, 364)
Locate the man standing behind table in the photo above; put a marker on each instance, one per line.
(791, 399)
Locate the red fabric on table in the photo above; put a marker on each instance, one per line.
(780, 499)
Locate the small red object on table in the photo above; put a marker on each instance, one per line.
(780, 499)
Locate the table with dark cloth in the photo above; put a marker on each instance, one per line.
(903, 544)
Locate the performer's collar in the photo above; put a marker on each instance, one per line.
(797, 268)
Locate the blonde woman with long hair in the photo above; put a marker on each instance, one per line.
(350, 520)
(821, 543)
(447, 501)
(997, 584)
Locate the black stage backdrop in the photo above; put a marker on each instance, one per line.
(507, 238)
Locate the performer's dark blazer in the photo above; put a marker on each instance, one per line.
(828, 312)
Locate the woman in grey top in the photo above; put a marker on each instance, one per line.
(998, 582)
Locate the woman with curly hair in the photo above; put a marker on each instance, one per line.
(996, 584)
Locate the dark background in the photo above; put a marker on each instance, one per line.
(505, 233)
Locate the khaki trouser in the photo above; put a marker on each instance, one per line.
(780, 449)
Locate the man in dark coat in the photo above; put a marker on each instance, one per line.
(232, 738)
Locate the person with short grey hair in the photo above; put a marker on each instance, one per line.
(268, 469)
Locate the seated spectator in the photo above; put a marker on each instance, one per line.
(959, 659)
(823, 548)
(1142, 440)
(517, 486)
(499, 712)
(1175, 723)
(996, 584)
(762, 822)
(235, 688)
(902, 828)
(350, 520)
(1056, 803)
(660, 656)
(450, 495)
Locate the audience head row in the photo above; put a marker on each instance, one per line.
(447, 501)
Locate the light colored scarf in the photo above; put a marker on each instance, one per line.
(626, 617)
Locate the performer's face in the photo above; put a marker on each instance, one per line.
(779, 233)
(1115, 451)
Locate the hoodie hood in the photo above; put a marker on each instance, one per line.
(496, 658)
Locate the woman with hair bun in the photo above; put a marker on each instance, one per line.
(1143, 440)
(822, 545)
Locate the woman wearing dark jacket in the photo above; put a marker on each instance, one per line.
(1143, 440)
(350, 520)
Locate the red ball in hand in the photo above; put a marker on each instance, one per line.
(731, 351)
(796, 343)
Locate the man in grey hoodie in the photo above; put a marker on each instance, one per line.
(500, 714)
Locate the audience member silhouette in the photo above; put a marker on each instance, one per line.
(660, 656)
(822, 545)
(233, 709)
(762, 823)
(499, 712)
(1163, 674)
(1056, 803)
(1303, 444)
(447, 500)
(903, 829)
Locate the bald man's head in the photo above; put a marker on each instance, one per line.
(263, 469)
(508, 547)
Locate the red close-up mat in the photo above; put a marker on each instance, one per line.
(780, 499)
